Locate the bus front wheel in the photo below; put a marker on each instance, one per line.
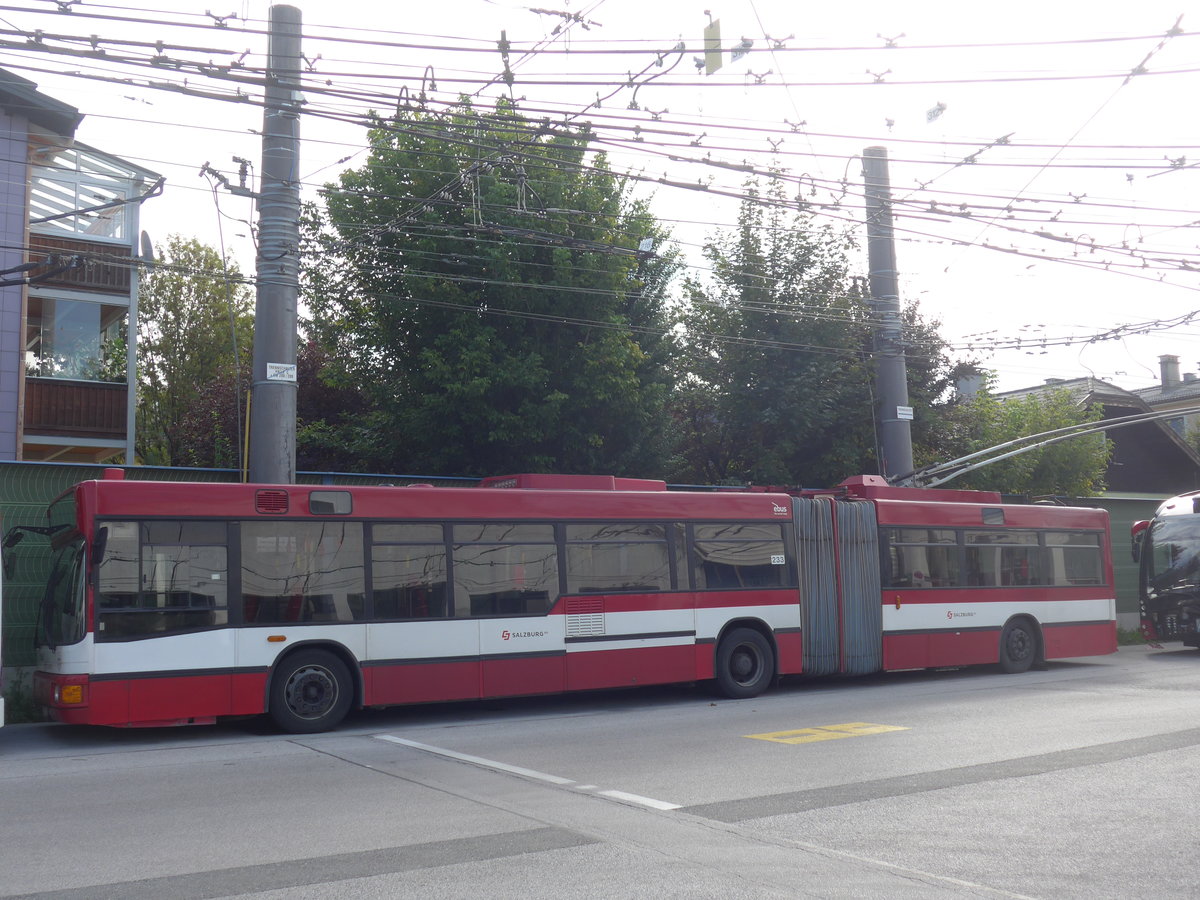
(745, 664)
(310, 692)
(1018, 647)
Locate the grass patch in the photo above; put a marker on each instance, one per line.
(19, 708)
(1129, 637)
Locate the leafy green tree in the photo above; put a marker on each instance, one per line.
(213, 428)
(1070, 468)
(775, 376)
(479, 280)
(193, 311)
(211, 432)
(1193, 437)
(327, 415)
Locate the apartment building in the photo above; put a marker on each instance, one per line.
(68, 285)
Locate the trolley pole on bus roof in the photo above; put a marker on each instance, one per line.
(894, 415)
(272, 457)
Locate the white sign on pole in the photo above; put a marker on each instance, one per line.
(281, 372)
(904, 413)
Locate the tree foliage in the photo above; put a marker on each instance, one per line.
(193, 312)
(479, 305)
(1070, 468)
(213, 428)
(327, 414)
(775, 373)
(479, 280)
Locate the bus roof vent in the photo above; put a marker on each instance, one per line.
(271, 502)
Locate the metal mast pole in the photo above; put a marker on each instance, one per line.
(891, 376)
(273, 391)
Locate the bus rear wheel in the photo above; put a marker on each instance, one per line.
(745, 664)
(1018, 647)
(310, 692)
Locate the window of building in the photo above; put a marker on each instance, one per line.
(71, 192)
(504, 569)
(302, 572)
(75, 339)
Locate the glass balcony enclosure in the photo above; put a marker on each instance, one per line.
(83, 239)
(71, 194)
(75, 339)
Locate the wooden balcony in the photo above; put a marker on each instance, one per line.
(106, 267)
(63, 407)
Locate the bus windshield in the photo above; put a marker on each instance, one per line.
(1173, 557)
(62, 618)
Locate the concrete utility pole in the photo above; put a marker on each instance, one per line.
(273, 392)
(891, 376)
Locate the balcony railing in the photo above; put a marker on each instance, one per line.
(67, 408)
(106, 266)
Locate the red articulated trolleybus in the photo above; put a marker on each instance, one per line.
(177, 603)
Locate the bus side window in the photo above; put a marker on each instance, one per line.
(1004, 558)
(740, 555)
(162, 577)
(302, 572)
(504, 569)
(617, 556)
(922, 558)
(1074, 558)
(408, 571)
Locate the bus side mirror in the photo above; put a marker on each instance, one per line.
(1138, 533)
(98, 546)
(14, 537)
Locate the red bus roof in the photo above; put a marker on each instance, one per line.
(539, 497)
(976, 515)
(224, 500)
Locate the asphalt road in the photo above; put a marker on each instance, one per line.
(1077, 781)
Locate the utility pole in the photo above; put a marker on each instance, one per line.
(273, 391)
(894, 415)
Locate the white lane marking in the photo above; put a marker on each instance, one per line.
(636, 798)
(477, 760)
(531, 773)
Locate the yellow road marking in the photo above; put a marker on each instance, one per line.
(824, 733)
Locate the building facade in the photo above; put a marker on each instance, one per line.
(68, 286)
(1175, 392)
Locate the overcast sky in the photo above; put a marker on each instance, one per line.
(1044, 156)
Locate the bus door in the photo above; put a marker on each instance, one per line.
(508, 589)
